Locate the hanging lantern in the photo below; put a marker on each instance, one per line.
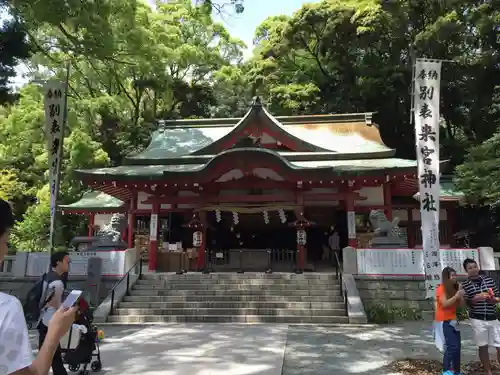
(236, 219)
(266, 217)
(218, 215)
(197, 237)
(281, 214)
(301, 237)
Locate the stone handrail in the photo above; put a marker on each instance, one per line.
(7, 265)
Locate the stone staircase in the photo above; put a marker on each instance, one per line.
(314, 298)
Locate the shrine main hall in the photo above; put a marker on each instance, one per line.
(220, 187)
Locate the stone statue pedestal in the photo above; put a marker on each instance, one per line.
(386, 243)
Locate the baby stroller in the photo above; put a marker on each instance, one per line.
(79, 348)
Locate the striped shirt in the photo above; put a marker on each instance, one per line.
(482, 310)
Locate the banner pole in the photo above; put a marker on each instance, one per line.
(55, 160)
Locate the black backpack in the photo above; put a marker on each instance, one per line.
(37, 297)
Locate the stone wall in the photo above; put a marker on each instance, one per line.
(408, 292)
(19, 286)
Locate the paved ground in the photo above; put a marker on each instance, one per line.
(361, 350)
(209, 349)
(204, 349)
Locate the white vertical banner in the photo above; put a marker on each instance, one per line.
(351, 225)
(153, 234)
(54, 102)
(426, 114)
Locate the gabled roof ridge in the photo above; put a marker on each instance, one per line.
(284, 120)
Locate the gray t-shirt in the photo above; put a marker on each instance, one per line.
(56, 287)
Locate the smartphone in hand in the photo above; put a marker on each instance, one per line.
(72, 298)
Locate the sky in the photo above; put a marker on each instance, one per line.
(256, 11)
(239, 25)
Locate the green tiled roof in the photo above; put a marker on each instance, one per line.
(94, 200)
(359, 165)
(336, 167)
(173, 142)
(343, 133)
(448, 191)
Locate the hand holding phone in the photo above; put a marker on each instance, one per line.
(72, 298)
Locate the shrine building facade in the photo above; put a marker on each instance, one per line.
(216, 186)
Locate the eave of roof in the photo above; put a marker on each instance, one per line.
(335, 167)
(447, 192)
(94, 201)
(290, 156)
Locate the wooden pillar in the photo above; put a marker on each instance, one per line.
(91, 224)
(301, 249)
(450, 225)
(351, 221)
(130, 230)
(153, 236)
(131, 224)
(387, 200)
(202, 248)
(410, 231)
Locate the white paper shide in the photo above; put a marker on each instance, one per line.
(426, 114)
(54, 96)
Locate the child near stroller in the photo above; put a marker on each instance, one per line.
(80, 345)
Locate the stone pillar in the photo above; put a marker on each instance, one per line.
(351, 222)
(153, 237)
(487, 259)
(350, 264)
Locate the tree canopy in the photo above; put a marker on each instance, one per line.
(130, 63)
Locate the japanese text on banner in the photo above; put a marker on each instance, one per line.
(426, 112)
(54, 92)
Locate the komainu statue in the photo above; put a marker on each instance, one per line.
(112, 232)
(385, 232)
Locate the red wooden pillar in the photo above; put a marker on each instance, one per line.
(388, 200)
(410, 231)
(131, 223)
(202, 248)
(130, 230)
(301, 261)
(351, 221)
(91, 224)
(153, 236)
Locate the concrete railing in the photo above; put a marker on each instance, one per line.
(6, 267)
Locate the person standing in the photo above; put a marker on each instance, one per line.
(16, 357)
(333, 246)
(482, 295)
(54, 286)
(448, 297)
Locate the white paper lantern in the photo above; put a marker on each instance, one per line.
(218, 216)
(236, 219)
(197, 238)
(266, 217)
(301, 237)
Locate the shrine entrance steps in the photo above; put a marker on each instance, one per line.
(311, 298)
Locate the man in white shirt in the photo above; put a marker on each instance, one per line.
(54, 286)
(15, 349)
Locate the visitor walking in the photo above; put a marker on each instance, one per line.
(54, 285)
(15, 349)
(482, 295)
(448, 297)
